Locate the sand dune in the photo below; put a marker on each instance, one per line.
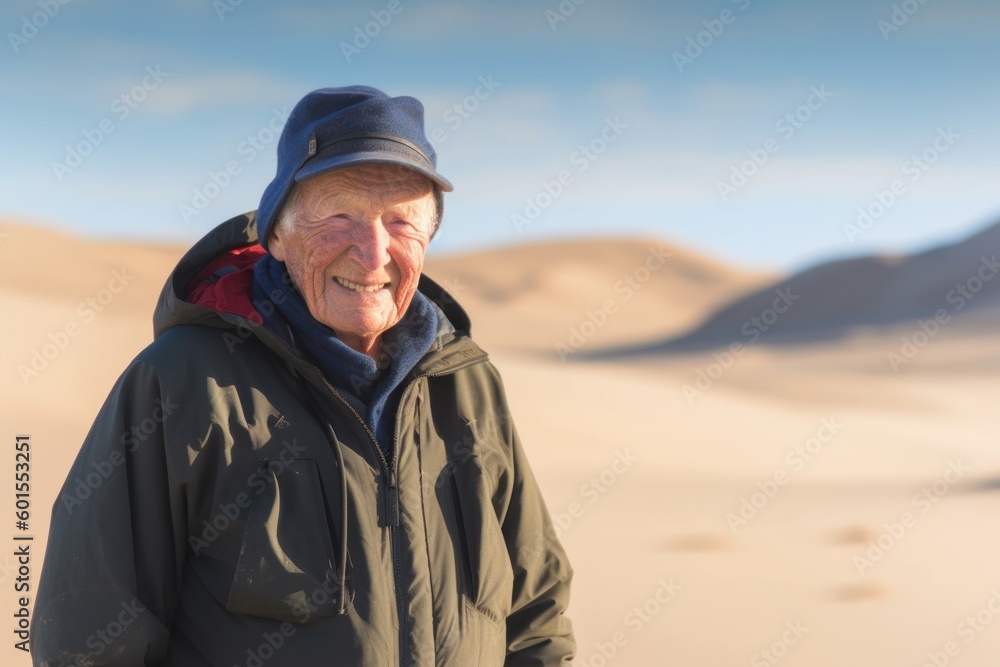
(953, 283)
(609, 291)
(768, 501)
(43, 263)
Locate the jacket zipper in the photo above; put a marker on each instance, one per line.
(391, 505)
(404, 647)
(391, 495)
(463, 544)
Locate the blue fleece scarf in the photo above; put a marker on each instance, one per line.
(376, 386)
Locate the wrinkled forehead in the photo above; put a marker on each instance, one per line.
(385, 183)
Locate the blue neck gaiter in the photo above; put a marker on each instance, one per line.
(378, 386)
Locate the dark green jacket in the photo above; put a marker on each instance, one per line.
(226, 490)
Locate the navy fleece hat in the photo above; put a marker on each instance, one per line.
(334, 128)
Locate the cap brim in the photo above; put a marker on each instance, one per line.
(342, 161)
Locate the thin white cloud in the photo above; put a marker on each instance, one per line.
(181, 93)
(717, 96)
(424, 21)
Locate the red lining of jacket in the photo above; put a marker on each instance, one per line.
(230, 292)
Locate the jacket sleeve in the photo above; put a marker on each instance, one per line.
(110, 580)
(538, 632)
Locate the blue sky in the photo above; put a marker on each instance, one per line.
(837, 103)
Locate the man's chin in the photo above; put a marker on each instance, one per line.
(359, 323)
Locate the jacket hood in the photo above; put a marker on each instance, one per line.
(211, 284)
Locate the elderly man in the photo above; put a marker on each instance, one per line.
(313, 463)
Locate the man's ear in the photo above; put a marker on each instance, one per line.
(276, 246)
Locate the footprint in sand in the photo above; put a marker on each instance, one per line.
(855, 535)
(858, 592)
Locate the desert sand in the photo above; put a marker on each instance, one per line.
(735, 485)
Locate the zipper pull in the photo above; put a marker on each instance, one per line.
(391, 501)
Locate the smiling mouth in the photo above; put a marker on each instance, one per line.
(359, 288)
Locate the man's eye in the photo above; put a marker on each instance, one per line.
(336, 217)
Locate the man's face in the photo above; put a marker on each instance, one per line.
(354, 242)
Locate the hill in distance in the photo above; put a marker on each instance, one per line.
(957, 284)
(601, 292)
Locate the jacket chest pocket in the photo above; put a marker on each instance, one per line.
(288, 566)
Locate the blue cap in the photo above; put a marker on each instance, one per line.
(335, 128)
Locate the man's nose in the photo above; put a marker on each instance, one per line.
(370, 247)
